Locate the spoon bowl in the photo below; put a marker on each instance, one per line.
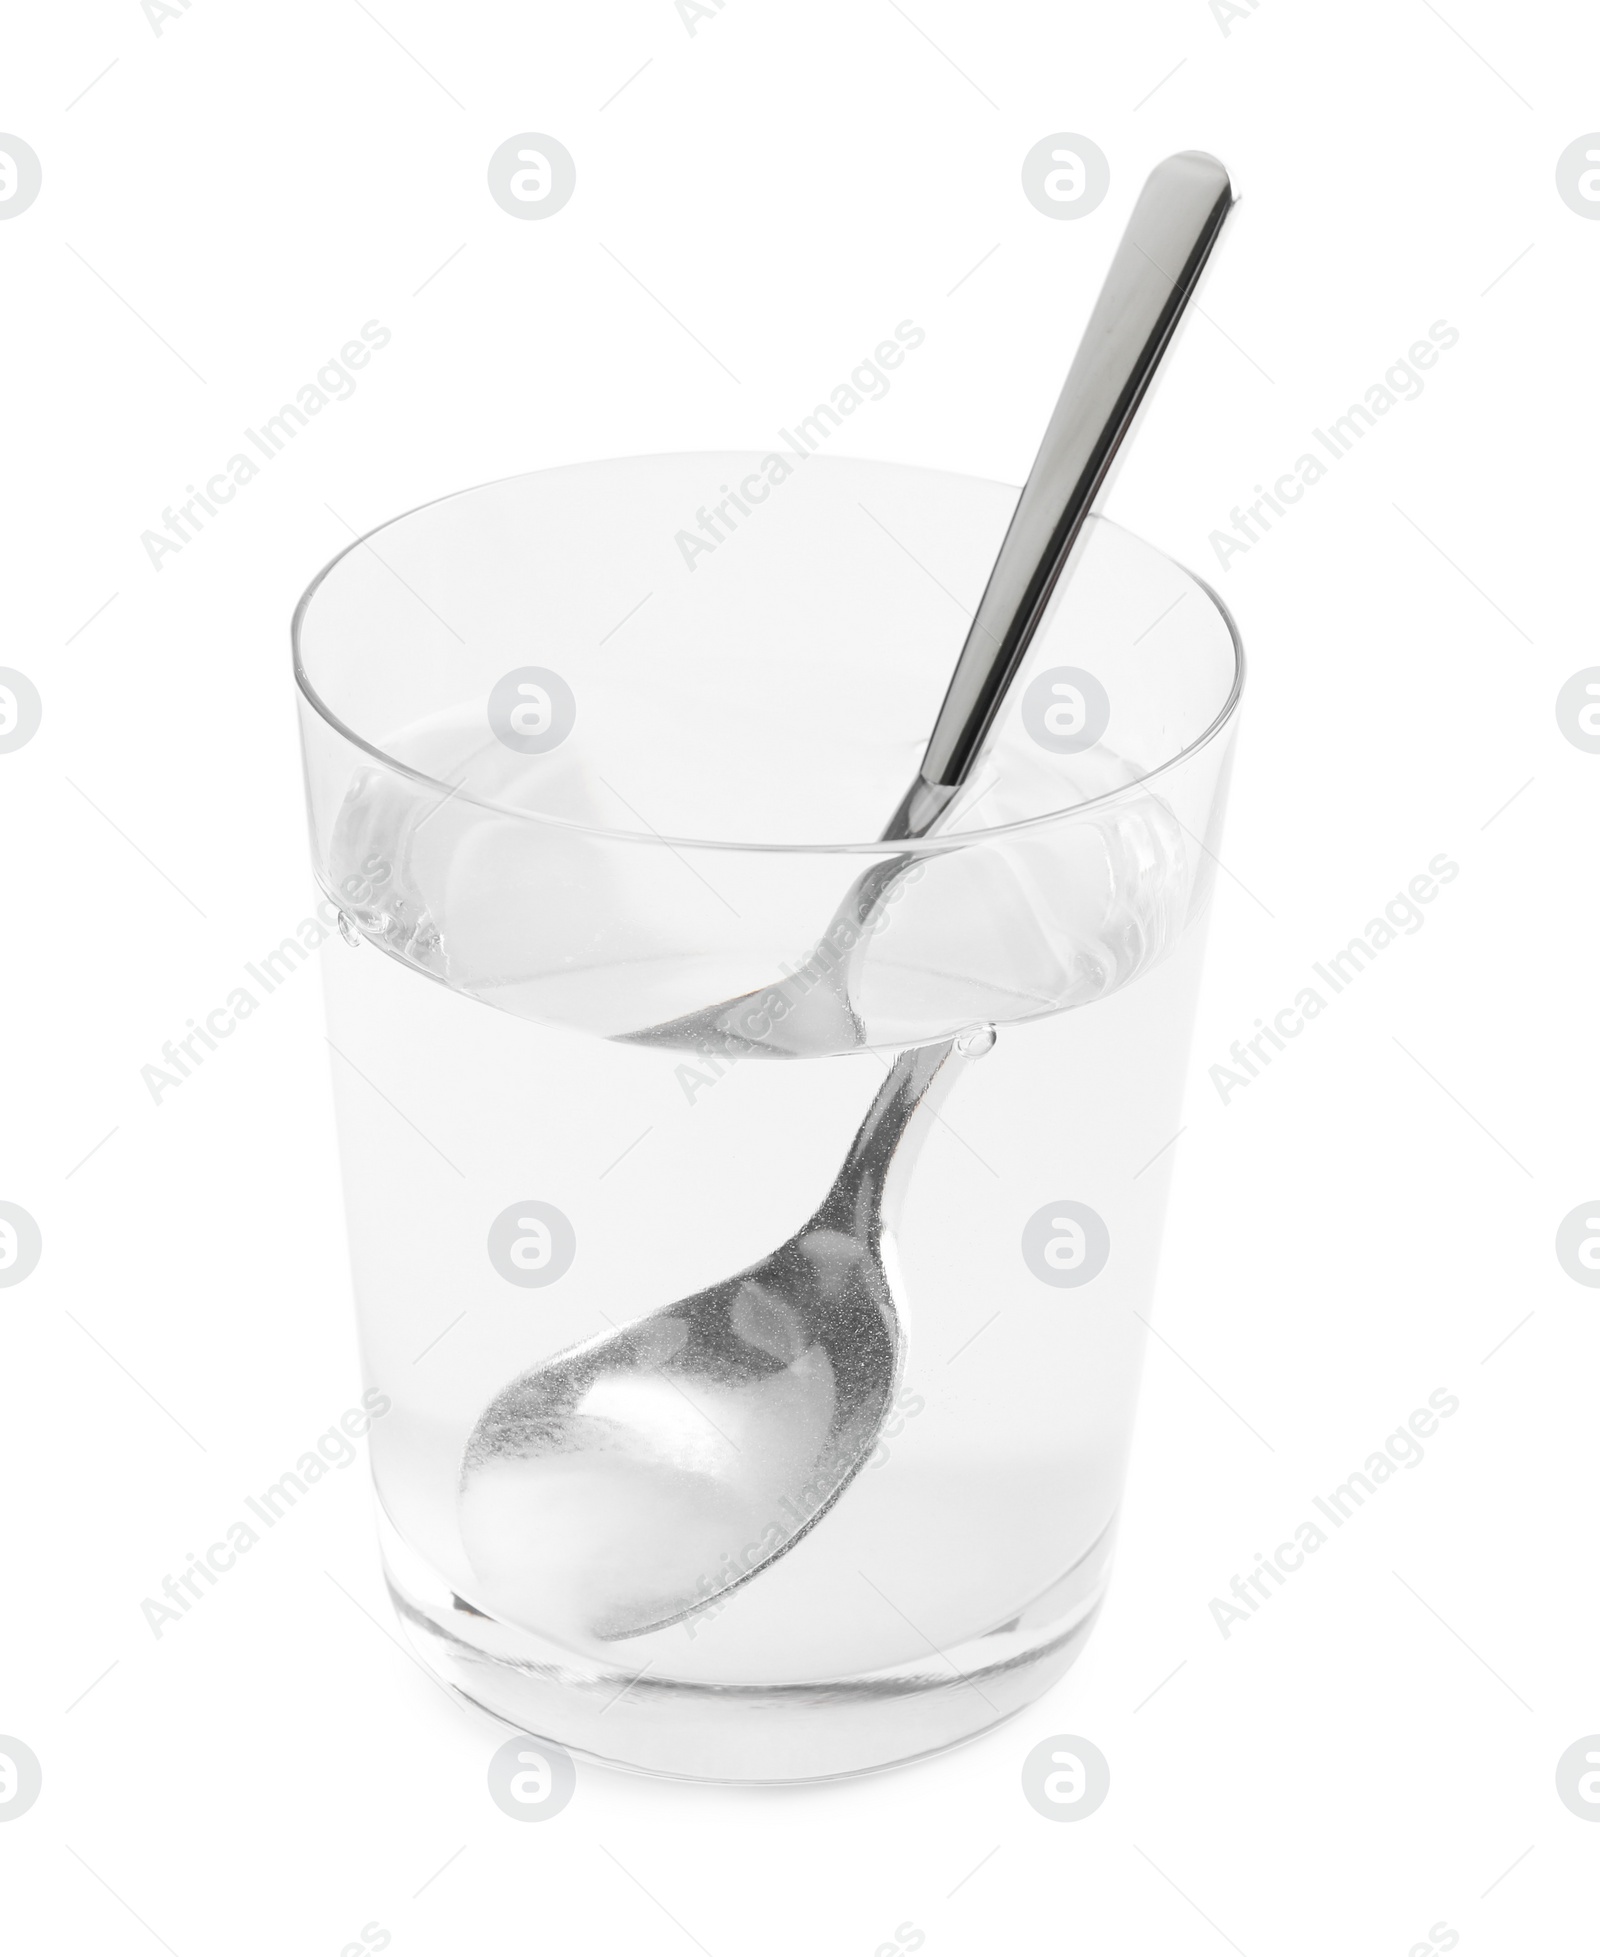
(627, 1483)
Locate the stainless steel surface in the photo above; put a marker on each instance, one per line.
(1174, 226)
(627, 1477)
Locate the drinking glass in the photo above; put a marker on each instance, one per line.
(626, 996)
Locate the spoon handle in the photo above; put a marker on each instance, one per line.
(1157, 267)
(865, 1196)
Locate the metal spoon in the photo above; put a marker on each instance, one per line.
(624, 1485)
(627, 1483)
(1174, 226)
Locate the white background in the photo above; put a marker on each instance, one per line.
(1373, 1753)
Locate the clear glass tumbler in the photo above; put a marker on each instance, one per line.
(752, 1222)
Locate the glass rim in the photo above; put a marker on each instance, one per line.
(934, 844)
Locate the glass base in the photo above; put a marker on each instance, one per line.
(751, 1734)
